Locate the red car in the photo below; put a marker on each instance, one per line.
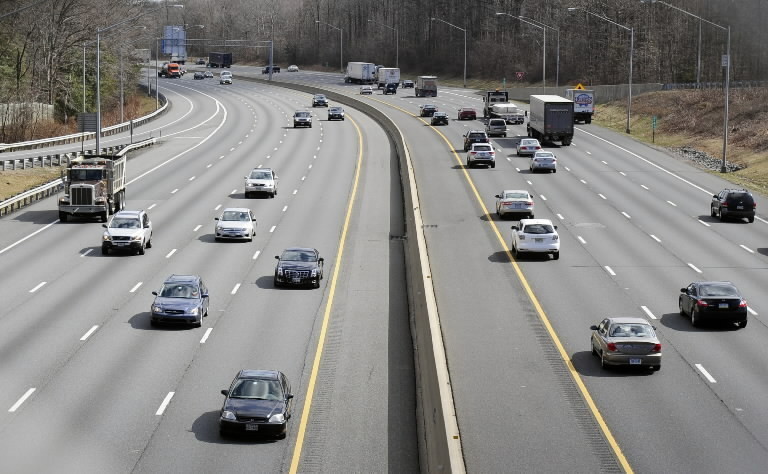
(467, 113)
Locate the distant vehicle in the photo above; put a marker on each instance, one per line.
(336, 113)
(426, 86)
(528, 146)
(407, 84)
(127, 230)
(467, 113)
(427, 110)
(178, 59)
(299, 266)
(583, 104)
(535, 236)
(733, 203)
(509, 112)
(360, 73)
(201, 61)
(275, 69)
(514, 201)
(183, 299)
(319, 100)
(481, 154)
(390, 88)
(293, 68)
(475, 136)
(225, 77)
(366, 90)
(94, 186)
(220, 59)
(551, 119)
(713, 301)
(496, 127)
(199, 75)
(207, 74)
(493, 97)
(439, 118)
(236, 223)
(626, 341)
(543, 161)
(172, 70)
(388, 75)
(258, 402)
(302, 118)
(261, 180)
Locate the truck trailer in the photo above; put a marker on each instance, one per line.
(219, 59)
(583, 104)
(426, 86)
(493, 97)
(507, 111)
(551, 119)
(360, 73)
(387, 75)
(94, 186)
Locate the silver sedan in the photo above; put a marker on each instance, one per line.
(626, 341)
(543, 161)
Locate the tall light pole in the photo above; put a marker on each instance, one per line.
(543, 48)
(726, 63)
(99, 31)
(557, 30)
(397, 41)
(341, 43)
(465, 45)
(631, 54)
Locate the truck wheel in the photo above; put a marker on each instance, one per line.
(62, 216)
(588, 120)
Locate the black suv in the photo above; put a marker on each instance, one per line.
(427, 110)
(390, 88)
(299, 266)
(736, 203)
(319, 100)
(475, 136)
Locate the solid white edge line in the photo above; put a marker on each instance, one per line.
(90, 331)
(40, 285)
(165, 403)
(205, 336)
(705, 373)
(648, 312)
(706, 224)
(694, 268)
(22, 400)
(610, 270)
(751, 311)
(747, 248)
(136, 287)
(27, 237)
(234, 290)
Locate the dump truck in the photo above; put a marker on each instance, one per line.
(507, 111)
(94, 186)
(551, 118)
(360, 73)
(220, 59)
(583, 104)
(493, 97)
(426, 86)
(387, 75)
(172, 70)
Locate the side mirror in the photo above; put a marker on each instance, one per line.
(498, 196)
(148, 225)
(288, 396)
(321, 259)
(225, 392)
(514, 227)
(715, 196)
(104, 225)
(215, 218)
(555, 227)
(245, 177)
(683, 290)
(593, 327)
(205, 295)
(277, 257)
(253, 219)
(154, 293)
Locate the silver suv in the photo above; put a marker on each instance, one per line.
(127, 230)
(261, 180)
(496, 127)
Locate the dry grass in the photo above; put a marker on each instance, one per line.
(16, 181)
(694, 118)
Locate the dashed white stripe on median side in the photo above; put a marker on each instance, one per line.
(256, 255)
(273, 228)
(22, 400)
(234, 290)
(705, 373)
(672, 203)
(205, 336)
(90, 331)
(751, 311)
(136, 287)
(702, 222)
(165, 403)
(610, 270)
(694, 268)
(197, 227)
(175, 191)
(747, 248)
(626, 215)
(655, 238)
(602, 196)
(39, 285)
(86, 252)
(648, 312)
(581, 239)
(170, 253)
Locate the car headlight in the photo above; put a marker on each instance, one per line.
(193, 310)
(136, 237)
(314, 272)
(280, 271)
(228, 415)
(156, 308)
(64, 200)
(278, 418)
(106, 237)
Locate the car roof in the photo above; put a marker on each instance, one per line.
(481, 144)
(261, 169)
(628, 319)
(477, 131)
(182, 278)
(535, 221)
(299, 249)
(259, 374)
(713, 282)
(134, 214)
(441, 113)
(529, 140)
(516, 191)
(237, 209)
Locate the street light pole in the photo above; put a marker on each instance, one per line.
(397, 41)
(341, 43)
(557, 30)
(543, 48)
(465, 45)
(631, 54)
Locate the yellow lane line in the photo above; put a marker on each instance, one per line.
(327, 315)
(539, 310)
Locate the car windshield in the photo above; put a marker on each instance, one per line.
(299, 256)
(631, 330)
(467, 110)
(514, 195)
(302, 114)
(538, 229)
(718, 290)
(124, 223)
(241, 216)
(256, 174)
(225, 73)
(334, 109)
(175, 290)
(477, 135)
(82, 174)
(257, 389)
(319, 97)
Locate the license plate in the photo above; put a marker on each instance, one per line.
(635, 361)
(517, 206)
(723, 305)
(121, 244)
(296, 280)
(538, 240)
(251, 427)
(739, 207)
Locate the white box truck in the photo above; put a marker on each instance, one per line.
(360, 73)
(388, 75)
(583, 104)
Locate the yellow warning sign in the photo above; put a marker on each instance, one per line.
(579, 87)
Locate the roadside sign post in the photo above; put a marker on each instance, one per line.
(653, 129)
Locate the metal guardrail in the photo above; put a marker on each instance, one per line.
(28, 197)
(76, 137)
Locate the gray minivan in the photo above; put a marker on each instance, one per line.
(496, 127)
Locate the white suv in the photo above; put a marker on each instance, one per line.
(481, 154)
(127, 230)
(535, 236)
(261, 180)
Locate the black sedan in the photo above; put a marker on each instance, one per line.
(299, 266)
(336, 113)
(427, 110)
(258, 402)
(713, 301)
(439, 118)
(199, 75)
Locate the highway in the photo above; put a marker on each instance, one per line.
(635, 228)
(89, 386)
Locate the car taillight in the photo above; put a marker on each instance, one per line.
(611, 346)
(506, 203)
(754, 205)
(743, 304)
(701, 303)
(723, 203)
(656, 348)
(473, 153)
(529, 203)
(555, 237)
(538, 148)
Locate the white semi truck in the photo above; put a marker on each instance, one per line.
(360, 73)
(94, 186)
(387, 75)
(583, 104)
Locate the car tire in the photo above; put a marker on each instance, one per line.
(603, 364)
(153, 323)
(722, 218)
(712, 212)
(594, 351)
(518, 153)
(217, 239)
(742, 324)
(680, 306)
(316, 284)
(469, 164)
(141, 250)
(104, 251)
(656, 368)
(493, 165)
(199, 324)
(556, 256)
(694, 319)
(276, 283)
(149, 242)
(751, 219)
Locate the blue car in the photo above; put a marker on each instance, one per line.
(183, 299)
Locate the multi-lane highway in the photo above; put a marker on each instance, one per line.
(89, 386)
(529, 396)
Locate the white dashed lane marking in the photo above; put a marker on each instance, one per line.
(165, 403)
(39, 285)
(90, 331)
(22, 400)
(705, 373)
(648, 312)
